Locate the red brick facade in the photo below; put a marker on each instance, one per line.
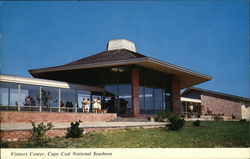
(176, 96)
(27, 117)
(135, 86)
(220, 105)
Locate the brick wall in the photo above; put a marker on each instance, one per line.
(24, 135)
(15, 135)
(176, 96)
(135, 87)
(220, 105)
(27, 117)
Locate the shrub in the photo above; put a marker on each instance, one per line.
(175, 123)
(217, 117)
(198, 115)
(3, 144)
(242, 120)
(163, 115)
(197, 123)
(38, 131)
(74, 131)
(233, 116)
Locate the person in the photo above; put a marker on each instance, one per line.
(27, 101)
(87, 105)
(95, 105)
(99, 109)
(62, 105)
(83, 104)
(191, 108)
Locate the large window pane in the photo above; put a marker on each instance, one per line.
(111, 98)
(9, 94)
(49, 97)
(30, 95)
(4, 96)
(68, 99)
(13, 96)
(168, 101)
(142, 103)
(125, 99)
(149, 105)
(24, 95)
(158, 102)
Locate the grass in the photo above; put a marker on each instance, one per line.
(209, 134)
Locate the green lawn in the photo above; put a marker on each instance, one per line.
(210, 134)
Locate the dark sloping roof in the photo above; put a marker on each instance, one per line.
(121, 57)
(216, 93)
(107, 56)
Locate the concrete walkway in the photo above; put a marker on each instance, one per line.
(28, 126)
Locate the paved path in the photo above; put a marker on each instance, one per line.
(28, 126)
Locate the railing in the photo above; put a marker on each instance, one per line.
(42, 109)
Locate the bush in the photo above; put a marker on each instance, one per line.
(3, 144)
(175, 123)
(38, 131)
(163, 115)
(197, 123)
(233, 117)
(242, 120)
(74, 131)
(217, 117)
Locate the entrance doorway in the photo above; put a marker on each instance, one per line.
(118, 99)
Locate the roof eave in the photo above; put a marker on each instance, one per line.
(189, 78)
(91, 65)
(180, 68)
(217, 93)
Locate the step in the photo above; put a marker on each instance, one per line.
(131, 119)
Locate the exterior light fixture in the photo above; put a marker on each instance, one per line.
(118, 69)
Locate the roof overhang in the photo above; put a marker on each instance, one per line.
(47, 83)
(185, 99)
(187, 77)
(215, 93)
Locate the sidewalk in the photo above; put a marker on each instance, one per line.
(28, 126)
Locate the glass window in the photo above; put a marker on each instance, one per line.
(68, 99)
(112, 89)
(168, 101)
(142, 101)
(149, 105)
(158, 102)
(111, 98)
(49, 97)
(13, 96)
(24, 94)
(30, 95)
(9, 94)
(154, 98)
(4, 96)
(125, 99)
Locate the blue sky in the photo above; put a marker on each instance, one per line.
(210, 37)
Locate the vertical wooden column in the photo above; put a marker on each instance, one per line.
(176, 96)
(135, 88)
